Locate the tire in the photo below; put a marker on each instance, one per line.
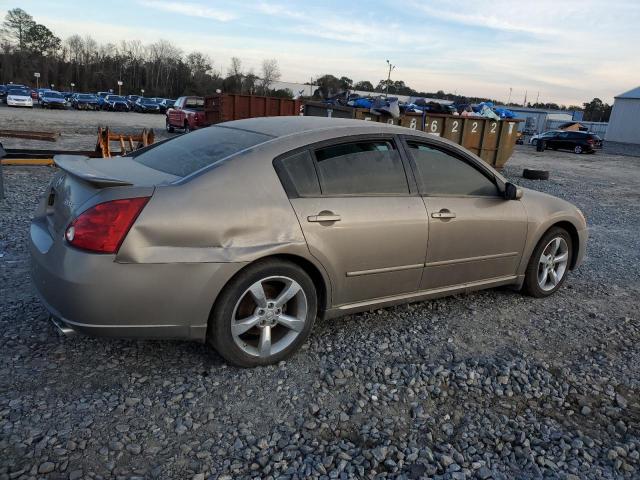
(168, 126)
(535, 174)
(533, 284)
(534, 142)
(578, 149)
(247, 347)
(187, 128)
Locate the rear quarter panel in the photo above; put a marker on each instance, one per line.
(237, 212)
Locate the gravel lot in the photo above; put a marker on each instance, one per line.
(488, 385)
(78, 129)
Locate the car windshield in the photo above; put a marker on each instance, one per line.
(186, 154)
(194, 103)
(147, 101)
(18, 92)
(116, 98)
(86, 96)
(52, 95)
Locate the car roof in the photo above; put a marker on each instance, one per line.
(283, 126)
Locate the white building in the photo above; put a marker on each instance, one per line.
(624, 123)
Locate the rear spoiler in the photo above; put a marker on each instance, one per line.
(79, 166)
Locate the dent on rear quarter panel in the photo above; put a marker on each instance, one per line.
(236, 212)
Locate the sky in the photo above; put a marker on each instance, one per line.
(562, 51)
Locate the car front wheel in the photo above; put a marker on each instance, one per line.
(577, 149)
(169, 126)
(549, 264)
(264, 314)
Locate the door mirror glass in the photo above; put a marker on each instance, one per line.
(511, 192)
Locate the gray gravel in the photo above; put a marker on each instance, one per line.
(489, 385)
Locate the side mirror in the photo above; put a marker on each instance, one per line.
(511, 192)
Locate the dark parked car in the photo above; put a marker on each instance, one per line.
(146, 105)
(51, 99)
(132, 99)
(578, 142)
(84, 101)
(3, 93)
(115, 103)
(165, 104)
(101, 98)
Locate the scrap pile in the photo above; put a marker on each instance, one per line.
(393, 107)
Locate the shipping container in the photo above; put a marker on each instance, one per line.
(225, 107)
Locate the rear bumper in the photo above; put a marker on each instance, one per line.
(93, 294)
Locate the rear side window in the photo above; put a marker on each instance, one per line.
(186, 154)
(440, 173)
(298, 175)
(361, 168)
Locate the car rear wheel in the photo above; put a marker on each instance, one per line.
(264, 314)
(549, 264)
(577, 149)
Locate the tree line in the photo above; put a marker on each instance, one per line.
(163, 70)
(160, 68)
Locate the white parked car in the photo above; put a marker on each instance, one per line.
(19, 97)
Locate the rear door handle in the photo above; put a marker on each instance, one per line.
(323, 217)
(444, 213)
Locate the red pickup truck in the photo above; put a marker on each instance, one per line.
(186, 114)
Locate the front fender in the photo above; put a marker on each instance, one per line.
(543, 212)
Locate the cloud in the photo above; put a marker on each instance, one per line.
(189, 9)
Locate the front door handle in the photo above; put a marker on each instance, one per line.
(444, 213)
(324, 217)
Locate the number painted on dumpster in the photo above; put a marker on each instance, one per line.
(493, 127)
(474, 127)
(413, 124)
(455, 127)
(434, 126)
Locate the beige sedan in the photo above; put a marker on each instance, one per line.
(243, 233)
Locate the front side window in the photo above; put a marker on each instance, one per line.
(440, 173)
(361, 168)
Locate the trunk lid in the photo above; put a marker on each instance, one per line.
(80, 178)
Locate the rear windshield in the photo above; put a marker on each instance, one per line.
(189, 153)
(194, 103)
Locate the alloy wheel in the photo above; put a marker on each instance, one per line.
(578, 149)
(269, 316)
(553, 262)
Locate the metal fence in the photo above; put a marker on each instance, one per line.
(599, 128)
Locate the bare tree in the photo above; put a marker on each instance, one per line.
(270, 74)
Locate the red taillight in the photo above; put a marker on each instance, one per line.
(102, 228)
(590, 140)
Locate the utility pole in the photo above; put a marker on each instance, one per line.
(391, 67)
(510, 92)
(537, 97)
(525, 99)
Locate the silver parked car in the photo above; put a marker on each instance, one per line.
(241, 234)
